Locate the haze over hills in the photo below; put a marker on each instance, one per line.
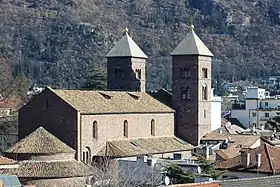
(57, 42)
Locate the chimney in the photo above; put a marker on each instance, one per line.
(245, 159)
(253, 128)
(259, 162)
(206, 152)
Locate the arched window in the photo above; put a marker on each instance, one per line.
(94, 129)
(204, 92)
(185, 93)
(87, 155)
(188, 93)
(153, 130)
(185, 72)
(138, 73)
(204, 73)
(84, 156)
(125, 129)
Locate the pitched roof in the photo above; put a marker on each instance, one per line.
(6, 161)
(236, 122)
(126, 47)
(239, 142)
(108, 102)
(11, 102)
(163, 96)
(222, 154)
(47, 169)
(143, 146)
(206, 184)
(192, 45)
(40, 142)
(225, 131)
(270, 160)
(270, 181)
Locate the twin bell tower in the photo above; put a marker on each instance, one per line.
(191, 81)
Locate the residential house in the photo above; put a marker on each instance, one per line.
(8, 106)
(44, 160)
(230, 87)
(257, 109)
(269, 181)
(227, 141)
(263, 160)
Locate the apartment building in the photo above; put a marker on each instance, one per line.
(257, 109)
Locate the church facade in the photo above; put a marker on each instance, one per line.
(126, 121)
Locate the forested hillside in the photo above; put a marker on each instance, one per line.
(58, 42)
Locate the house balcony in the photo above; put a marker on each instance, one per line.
(270, 108)
(265, 118)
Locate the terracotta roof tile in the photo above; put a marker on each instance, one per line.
(5, 161)
(270, 181)
(10, 103)
(208, 184)
(270, 160)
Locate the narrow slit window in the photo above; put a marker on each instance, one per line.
(125, 129)
(153, 132)
(94, 129)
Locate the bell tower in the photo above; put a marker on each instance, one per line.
(191, 88)
(126, 66)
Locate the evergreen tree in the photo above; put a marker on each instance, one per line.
(97, 80)
(178, 175)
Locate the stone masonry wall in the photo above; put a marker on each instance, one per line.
(51, 112)
(110, 127)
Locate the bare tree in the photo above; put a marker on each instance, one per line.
(121, 173)
(12, 92)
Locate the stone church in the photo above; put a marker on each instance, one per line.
(126, 120)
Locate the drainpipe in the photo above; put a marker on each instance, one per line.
(79, 138)
(258, 113)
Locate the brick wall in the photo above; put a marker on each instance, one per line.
(128, 66)
(191, 123)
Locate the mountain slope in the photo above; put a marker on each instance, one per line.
(56, 42)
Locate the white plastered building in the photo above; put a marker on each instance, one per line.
(258, 108)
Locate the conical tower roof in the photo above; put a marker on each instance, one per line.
(126, 47)
(192, 45)
(40, 142)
